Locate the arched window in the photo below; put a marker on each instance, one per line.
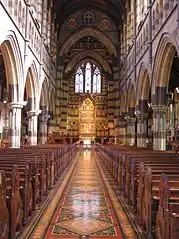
(79, 81)
(97, 81)
(88, 79)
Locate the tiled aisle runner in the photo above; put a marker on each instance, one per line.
(85, 208)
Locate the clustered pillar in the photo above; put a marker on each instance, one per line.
(159, 127)
(43, 128)
(15, 125)
(122, 129)
(131, 122)
(142, 129)
(32, 128)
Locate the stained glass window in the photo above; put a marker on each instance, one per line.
(79, 81)
(97, 81)
(88, 79)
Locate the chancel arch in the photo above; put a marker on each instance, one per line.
(74, 37)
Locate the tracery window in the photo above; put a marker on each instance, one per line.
(79, 81)
(88, 79)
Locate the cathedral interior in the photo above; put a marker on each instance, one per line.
(89, 119)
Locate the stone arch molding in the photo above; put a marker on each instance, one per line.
(85, 60)
(14, 65)
(31, 81)
(163, 62)
(143, 86)
(131, 96)
(123, 104)
(88, 32)
(91, 54)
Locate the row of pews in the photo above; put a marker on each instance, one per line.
(149, 184)
(26, 177)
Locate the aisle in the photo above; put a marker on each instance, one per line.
(85, 208)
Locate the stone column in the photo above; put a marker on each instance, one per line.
(15, 125)
(142, 129)
(43, 129)
(159, 127)
(122, 130)
(32, 127)
(131, 131)
(6, 123)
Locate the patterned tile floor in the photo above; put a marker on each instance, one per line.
(84, 210)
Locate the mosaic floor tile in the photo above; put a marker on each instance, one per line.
(84, 225)
(85, 208)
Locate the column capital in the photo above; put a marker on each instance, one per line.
(159, 108)
(131, 120)
(44, 118)
(33, 113)
(17, 105)
(142, 116)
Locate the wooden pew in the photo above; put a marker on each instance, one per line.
(25, 185)
(167, 221)
(135, 184)
(151, 197)
(14, 202)
(4, 213)
(28, 179)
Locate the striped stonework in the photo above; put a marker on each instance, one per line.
(15, 124)
(159, 127)
(64, 105)
(111, 103)
(32, 128)
(142, 129)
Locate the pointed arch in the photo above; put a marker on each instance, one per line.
(123, 102)
(44, 98)
(163, 62)
(131, 96)
(32, 88)
(143, 86)
(14, 66)
(88, 54)
(88, 31)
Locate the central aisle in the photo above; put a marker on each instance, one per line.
(84, 209)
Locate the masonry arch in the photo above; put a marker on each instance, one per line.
(88, 31)
(88, 54)
(165, 97)
(131, 96)
(13, 67)
(162, 66)
(143, 83)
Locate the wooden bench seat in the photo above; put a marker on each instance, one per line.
(4, 212)
(25, 181)
(167, 219)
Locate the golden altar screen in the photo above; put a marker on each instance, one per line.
(87, 119)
